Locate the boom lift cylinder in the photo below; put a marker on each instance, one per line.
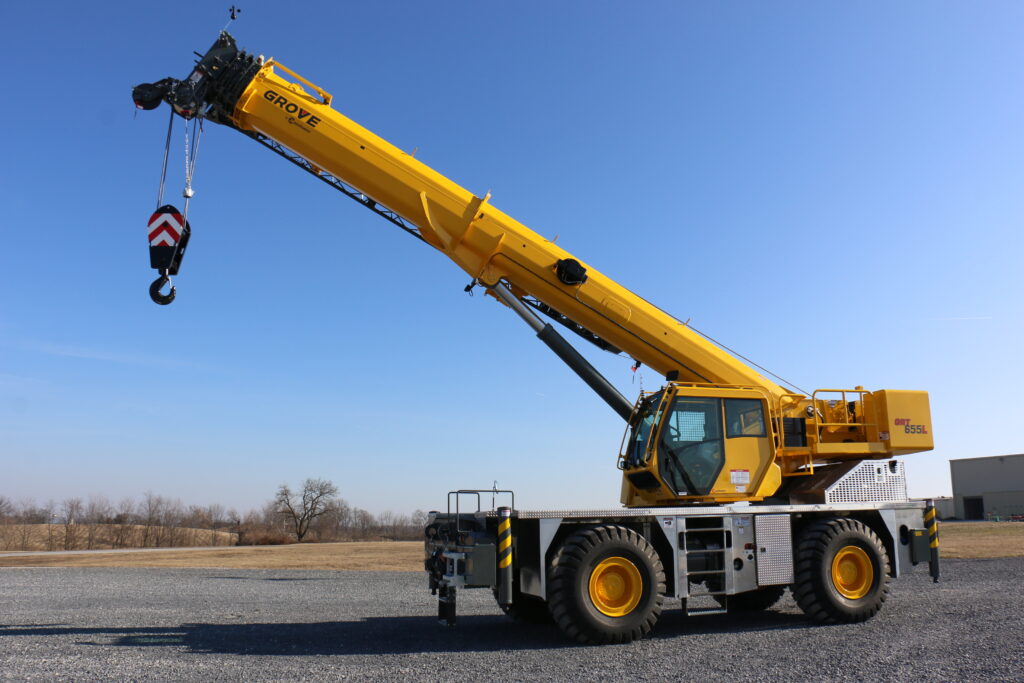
(569, 355)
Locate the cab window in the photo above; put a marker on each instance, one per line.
(744, 417)
(636, 449)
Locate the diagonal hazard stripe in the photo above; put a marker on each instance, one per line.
(168, 235)
(175, 219)
(163, 241)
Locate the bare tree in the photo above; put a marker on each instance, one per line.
(318, 497)
(97, 512)
(71, 512)
(233, 521)
(28, 516)
(333, 525)
(7, 527)
(7, 524)
(124, 522)
(151, 510)
(215, 515)
(386, 523)
(362, 523)
(48, 510)
(171, 522)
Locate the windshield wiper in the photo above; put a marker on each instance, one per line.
(679, 465)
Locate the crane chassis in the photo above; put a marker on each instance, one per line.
(837, 557)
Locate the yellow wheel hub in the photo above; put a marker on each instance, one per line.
(852, 572)
(616, 586)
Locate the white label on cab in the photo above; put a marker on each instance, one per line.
(739, 476)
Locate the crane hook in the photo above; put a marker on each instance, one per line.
(154, 291)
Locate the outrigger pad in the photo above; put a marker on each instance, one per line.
(168, 237)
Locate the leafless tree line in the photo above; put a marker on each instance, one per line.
(315, 513)
(95, 523)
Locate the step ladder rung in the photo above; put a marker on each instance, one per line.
(706, 610)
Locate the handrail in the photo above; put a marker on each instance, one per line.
(324, 95)
(846, 403)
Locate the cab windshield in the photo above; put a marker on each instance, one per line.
(690, 449)
(640, 432)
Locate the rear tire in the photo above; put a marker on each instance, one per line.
(606, 585)
(842, 571)
(526, 609)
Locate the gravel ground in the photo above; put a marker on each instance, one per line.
(234, 625)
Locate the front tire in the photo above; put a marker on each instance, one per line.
(842, 571)
(606, 585)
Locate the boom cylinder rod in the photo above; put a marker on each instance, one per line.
(569, 355)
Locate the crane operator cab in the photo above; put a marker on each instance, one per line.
(688, 443)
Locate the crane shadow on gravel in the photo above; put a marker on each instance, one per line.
(383, 635)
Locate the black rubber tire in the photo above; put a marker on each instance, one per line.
(526, 609)
(568, 586)
(752, 601)
(814, 589)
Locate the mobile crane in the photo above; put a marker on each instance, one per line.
(733, 487)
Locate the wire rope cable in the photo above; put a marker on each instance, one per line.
(191, 154)
(163, 167)
(740, 355)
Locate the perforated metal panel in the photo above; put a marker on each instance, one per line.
(871, 481)
(690, 425)
(774, 550)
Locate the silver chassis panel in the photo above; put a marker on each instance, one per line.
(711, 510)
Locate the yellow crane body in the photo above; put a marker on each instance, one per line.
(825, 520)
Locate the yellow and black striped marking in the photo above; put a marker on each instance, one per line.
(931, 521)
(504, 543)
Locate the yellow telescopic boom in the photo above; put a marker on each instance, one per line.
(484, 241)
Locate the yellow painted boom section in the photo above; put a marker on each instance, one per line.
(480, 239)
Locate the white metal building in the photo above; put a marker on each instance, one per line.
(988, 488)
(945, 507)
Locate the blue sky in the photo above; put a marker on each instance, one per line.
(833, 189)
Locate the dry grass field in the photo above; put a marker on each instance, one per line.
(981, 539)
(382, 556)
(958, 539)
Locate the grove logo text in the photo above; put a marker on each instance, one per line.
(300, 114)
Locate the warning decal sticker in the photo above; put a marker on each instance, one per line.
(739, 476)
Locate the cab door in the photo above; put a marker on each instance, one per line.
(748, 448)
